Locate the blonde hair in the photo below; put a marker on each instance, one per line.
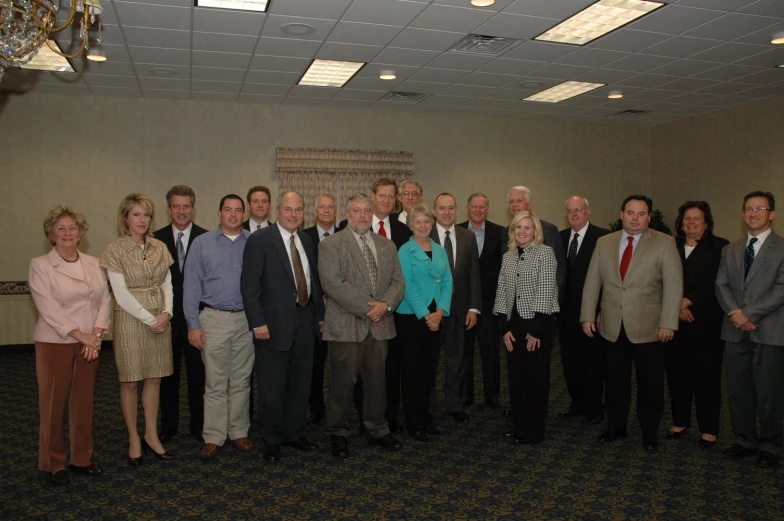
(538, 234)
(126, 205)
(421, 209)
(62, 211)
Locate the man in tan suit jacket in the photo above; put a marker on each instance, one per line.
(361, 277)
(637, 272)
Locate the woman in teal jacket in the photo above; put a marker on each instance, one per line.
(426, 301)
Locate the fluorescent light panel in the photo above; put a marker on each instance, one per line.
(330, 73)
(597, 20)
(564, 91)
(237, 5)
(48, 60)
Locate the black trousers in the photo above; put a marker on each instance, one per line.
(693, 362)
(648, 359)
(584, 361)
(316, 399)
(489, 337)
(419, 354)
(393, 375)
(529, 379)
(170, 385)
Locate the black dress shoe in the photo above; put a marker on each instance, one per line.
(767, 459)
(459, 417)
(165, 456)
(569, 413)
(59, 478)
(594, 419)
(316, 419)
(650, 445)
(395, 427)
(271, 452)
(339, 446)
(135, 462)
(420, 436)
(506, 413)
(508, 434)
(736, 450)
(706, 444)
(493, 403)
(165, 436)
(611, 436)
(90, 470)
(302, 444)
(673, 435)
(522, 440)
(433, 431)
(386, 442)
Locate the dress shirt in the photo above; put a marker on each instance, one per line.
(253, 225)
(625, 242)
(452, 237)
(387, 227)
(304, 258)
(321, 231)
(581, 231)
(402, 217)
(480, 235)
(213, 273)
(186, 237)
(760, 239)
(370, 243)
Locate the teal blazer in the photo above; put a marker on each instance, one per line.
(425, 279)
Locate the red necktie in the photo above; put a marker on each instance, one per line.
(381, 231)
(627, 257)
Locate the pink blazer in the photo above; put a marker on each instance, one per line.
(68, 297)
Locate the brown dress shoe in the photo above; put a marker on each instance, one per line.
(209, 451)
(244, 444)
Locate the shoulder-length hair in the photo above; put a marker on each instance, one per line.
(126, 205)
(702, 206)
(538, 234)
(62, 211)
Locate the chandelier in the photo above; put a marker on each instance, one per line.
(25, 25)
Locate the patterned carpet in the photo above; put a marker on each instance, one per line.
(469, 473)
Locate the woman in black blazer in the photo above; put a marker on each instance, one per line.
(694, 358)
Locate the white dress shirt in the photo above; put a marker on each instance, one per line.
(186, 236)
(387, 227)
(321, 231)
(625, 242)
(253, 225)
(402, 217)
(760, 239)
(304, 258)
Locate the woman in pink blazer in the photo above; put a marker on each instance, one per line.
(72, 296)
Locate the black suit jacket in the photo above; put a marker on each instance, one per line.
(466, 279)
(552, 238)
(699, 280)
(496, 236)
(575, 280)
(166, 235)
(269, 292)
(246, 225)
(400, 232)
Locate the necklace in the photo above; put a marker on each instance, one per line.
(69, 260)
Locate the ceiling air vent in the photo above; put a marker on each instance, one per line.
(631, 113)
(484, 45)
(403, 97)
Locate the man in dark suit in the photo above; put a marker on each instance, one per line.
(258, 198)
(750, 289)
(284, 305)
(583, 358)
(181, 203)
(410, 195)
(324, 227)
(463, 255)
(490, 238)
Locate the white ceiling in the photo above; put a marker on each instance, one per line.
(687, 58)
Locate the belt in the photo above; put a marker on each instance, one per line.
(224, 310)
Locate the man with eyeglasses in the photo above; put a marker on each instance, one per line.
(750, 289)
(583, 358)
(410, 195)
(490, 238)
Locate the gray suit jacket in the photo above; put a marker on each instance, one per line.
(760, 295)
(345, 279)
(466, 281)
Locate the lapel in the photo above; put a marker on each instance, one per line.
(359, 256)
(583, 246)
(435, 237)
(615, 244)
(739, 256)
(769, 244)
(645, 241)
(280, 249)
(69, 269)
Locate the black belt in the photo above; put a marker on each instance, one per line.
(205, 305)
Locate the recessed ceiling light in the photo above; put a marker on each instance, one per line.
(564, 91)
(297, 29)
(781, 66)
(48, 60)
(615, 94)
(482, 3)
(330, 73)
(778, 39)
(237, 5)
(387, 75)
(597, 20)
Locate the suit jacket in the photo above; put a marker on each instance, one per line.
(648, 298)
(313, 233)
(496, 237)
(166, 236)
(575, 280)
(246, 225)
(699, 280)
(400, 232)
(345, 278)
(760, 295)
(427, 279)
(466, 282)
(269, 292)
(68, 297)
(552, 238)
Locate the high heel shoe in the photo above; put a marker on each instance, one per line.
(135, 462)
(163, 457)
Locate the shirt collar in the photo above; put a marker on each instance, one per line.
(442, 230)
(376, 220)
(218, 232)
(186, 233)
(761, 237)
(481, 228)
(322, 231)
(581, 231)
(285, 233)
(254, 225)
(625, 235)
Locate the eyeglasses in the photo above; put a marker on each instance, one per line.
(758, 209)
(478, 207)
(410, 194)
(575, 210)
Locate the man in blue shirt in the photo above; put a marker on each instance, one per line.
(214, 313)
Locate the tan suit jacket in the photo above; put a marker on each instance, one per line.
(648, 298)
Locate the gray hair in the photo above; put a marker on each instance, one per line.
(525, 190)
(420, 209)
(358, 197)
(325, 194)
(412, 182)
(282, 195)
(587, 204)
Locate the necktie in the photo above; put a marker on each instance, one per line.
(299, 274)
(371, 261)
(627, 257)
(326, 234)
(180, 251)
(748, 257)
(258, 227)
(450, 255)
(381, 231)
(572, 255)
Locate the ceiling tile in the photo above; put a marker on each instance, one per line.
(674, 19)
(332, 9)
(459, 61)
(97, 80)
(648, 81)
(662, 106)
(540, 51)
(721, 5)
(729, 52)
(507, 66)
(227, 22)
(265, 89)
(487, 80)
(655, 95)
(215, 86)
(727, 72)
(224, 43)
(165, 83)
(681, 46)
(726, 88)
(122, 92)
(765, 8)
(731, 26)
(221, 59)
(488, 103)
(628, 40)
(426, 39)
(109, 68)
(166, 38)
(347, 52)
(559, 72)
(349, 103)
(166, 94)
(591, 57)
(516, 26)
(216, 74)
(684, 68)
(420, 86)
(562, 9)
(395, 56)
(158, 56)
(280, 64)
(764, 77)
(180, 3)
(287, 47)
(213, 96)
(290, 100)
(763, 36)
(448, 101)
(688, 84)
(438, 75)
(374, 84)
(769, 58)
(499, 5)
(152, 15)
(504, 94)
(399, 13)
(469, 111)
(448, 18)
(151, 70)
(362, 33)
(726, 101)
(640, 62)
(465, 90)
(321, 28)
(359, 95)
(693, 98)
(257, 98)
(278, 78)
(607, 76)
(306, 91)
(763, 91)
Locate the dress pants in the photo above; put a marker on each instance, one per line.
(486, 331)
(755, 379)
(648, 359)
(170, 385)
(419, 353)
(393, 376)
(316, 399)
(228, 363)
(284, 381)
(453, 333)
(584, 361)
(347, 361)
(66, 382)
(529, 379)
(693, 362)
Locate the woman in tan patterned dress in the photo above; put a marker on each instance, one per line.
(138, 269)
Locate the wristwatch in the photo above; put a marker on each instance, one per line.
(168, 314)
(101, 334)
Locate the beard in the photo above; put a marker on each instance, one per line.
(359, 230)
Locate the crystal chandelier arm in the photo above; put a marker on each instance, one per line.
(51, 15)
(81, 47)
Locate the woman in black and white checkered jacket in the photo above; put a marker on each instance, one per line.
(525, 302)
